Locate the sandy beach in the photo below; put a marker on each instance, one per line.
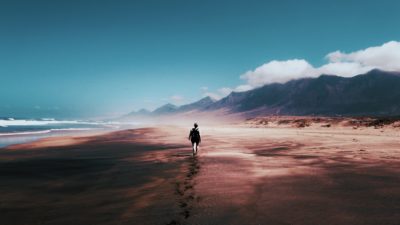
(243, 174)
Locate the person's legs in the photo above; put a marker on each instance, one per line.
(194, 147)
(197, 146)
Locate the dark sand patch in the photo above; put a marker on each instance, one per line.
(100, 181)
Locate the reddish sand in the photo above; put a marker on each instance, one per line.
(242, 175)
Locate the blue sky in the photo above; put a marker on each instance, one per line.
(105, 58)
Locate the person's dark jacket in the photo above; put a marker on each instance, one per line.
(194, 135)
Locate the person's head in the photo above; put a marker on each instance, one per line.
(195, 125)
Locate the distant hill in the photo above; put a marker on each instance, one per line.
(376, 93)
(169, 109)
(200, 105)
(165, 109)
(141, 112)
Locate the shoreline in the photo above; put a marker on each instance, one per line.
(10, 139)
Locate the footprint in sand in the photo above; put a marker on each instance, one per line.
(185, 192)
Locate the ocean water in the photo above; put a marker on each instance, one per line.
(15, 131)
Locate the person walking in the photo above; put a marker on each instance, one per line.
(194, 137)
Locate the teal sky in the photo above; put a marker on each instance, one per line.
(105, 58)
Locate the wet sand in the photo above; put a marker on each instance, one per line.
(242, 175)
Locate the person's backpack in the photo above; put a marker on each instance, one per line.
(195, 134)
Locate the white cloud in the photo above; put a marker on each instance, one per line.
(283, 71)
(243, 87)
(384, 57)
(343, 69)
(278, 71)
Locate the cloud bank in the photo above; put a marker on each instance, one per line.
(278, 71)
(384, 57)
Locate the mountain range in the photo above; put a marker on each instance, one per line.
(376, 93)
